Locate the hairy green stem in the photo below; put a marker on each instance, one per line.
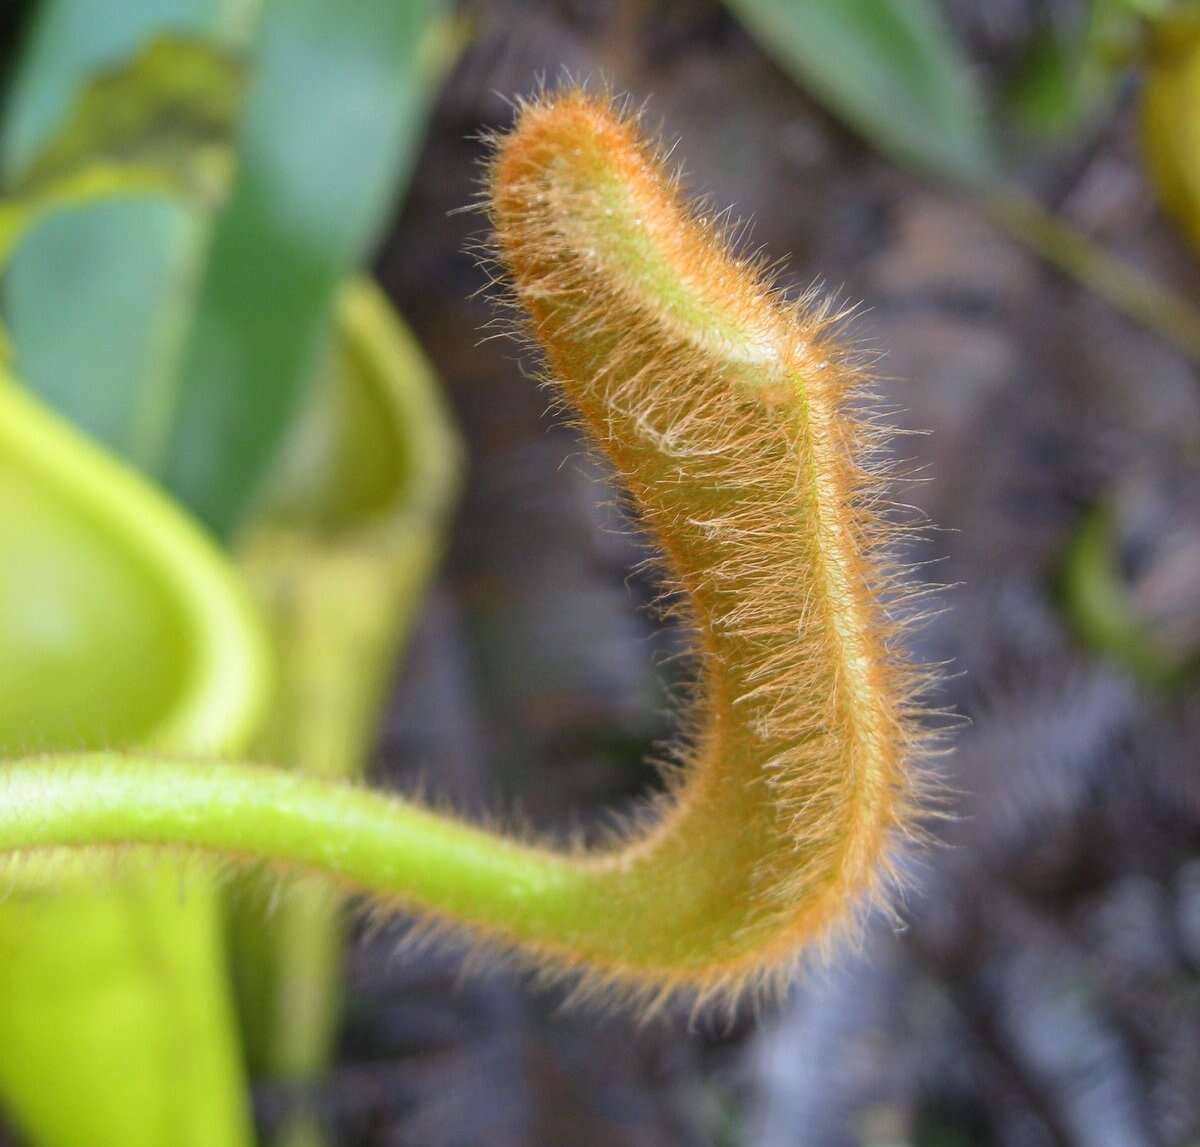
(379, 845)
(730, 419)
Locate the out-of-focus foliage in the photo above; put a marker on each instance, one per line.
(179, 315)
(333, 112)
(891, 69)
(116, 997)
(71, 41)
(119, 624)
(159, 125)
(169, 110)
(333, 117)
(347, 538)
(94, 297)
(1171, 119)
(1101, 610)
(1072, 65)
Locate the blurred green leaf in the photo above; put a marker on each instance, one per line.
(70, 41)
(95, 297)
(92, 301)
(1071, 66)
(1048, 94)
(161, 124)
(20, 214)
(82, 292)
(172, 107)
(890, 69)
(1101, 610)
(187, 346)
(1152, 9)
(333, 119)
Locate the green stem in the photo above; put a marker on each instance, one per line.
(646, 920)
(389, 849)
(1141, 298)
(378, 844)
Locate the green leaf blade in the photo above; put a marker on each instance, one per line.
(95, 286)
(890, 69)
(72, 40)
(331, 124)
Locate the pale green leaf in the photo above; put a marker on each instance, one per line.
(890, 68)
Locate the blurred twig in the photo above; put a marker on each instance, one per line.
(1134, 294)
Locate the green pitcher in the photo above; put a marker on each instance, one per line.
(120, 625)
